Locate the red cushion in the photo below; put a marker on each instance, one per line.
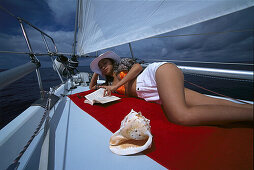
(175, 146)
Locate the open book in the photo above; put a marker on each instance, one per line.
(97, 97)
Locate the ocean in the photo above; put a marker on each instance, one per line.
(21, 94)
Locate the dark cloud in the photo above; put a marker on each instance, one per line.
(230, 47)
(63, 10)
(38, 13)
(57, 17)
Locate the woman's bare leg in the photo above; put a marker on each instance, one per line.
(171, 90)
(194, 98)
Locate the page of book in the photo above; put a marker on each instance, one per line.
(97, 97)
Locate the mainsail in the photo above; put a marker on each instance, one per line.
(107, 23)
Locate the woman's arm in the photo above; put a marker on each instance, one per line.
(93, 82)
(133, 73)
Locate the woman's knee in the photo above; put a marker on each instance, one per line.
(180, 116)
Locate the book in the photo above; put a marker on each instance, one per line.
(97, 97)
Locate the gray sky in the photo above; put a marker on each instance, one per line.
(57, 18)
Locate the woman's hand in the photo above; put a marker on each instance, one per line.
(93, 82)
(108, 90)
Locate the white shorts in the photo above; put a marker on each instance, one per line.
(146, 86)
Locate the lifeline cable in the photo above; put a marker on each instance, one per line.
(220, 78)
(16, 163)
(201, 62)
(215, 92)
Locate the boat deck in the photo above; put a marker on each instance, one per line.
(77, 140)
(88, 140)
(87, 144)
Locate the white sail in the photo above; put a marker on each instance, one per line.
(108, 23)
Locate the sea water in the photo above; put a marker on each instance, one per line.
(18, 96)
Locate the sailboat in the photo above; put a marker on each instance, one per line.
(60, 131)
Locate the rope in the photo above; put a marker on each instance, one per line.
(215, 92)
(15, 163)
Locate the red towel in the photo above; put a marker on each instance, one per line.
(175, 146)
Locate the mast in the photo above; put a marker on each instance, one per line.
(76, 25)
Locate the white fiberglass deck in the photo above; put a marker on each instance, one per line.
(76, 140)
(87, 144)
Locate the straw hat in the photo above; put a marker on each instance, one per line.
(109, 54)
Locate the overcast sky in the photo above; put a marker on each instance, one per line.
(57, 19)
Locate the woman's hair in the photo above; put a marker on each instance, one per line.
(110, 79)
(125, 64)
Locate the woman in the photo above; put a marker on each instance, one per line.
(164, 83)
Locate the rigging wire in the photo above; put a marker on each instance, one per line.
(7, 11)
(69, 54)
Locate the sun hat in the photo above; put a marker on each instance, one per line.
(109, 54)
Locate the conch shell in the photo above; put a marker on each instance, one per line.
(134, 135)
